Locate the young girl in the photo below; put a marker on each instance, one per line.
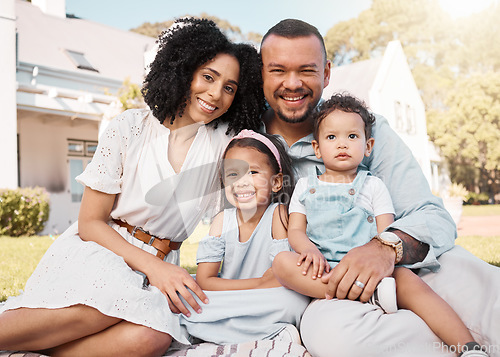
(342, 209)
(90, 295)
(258, 183)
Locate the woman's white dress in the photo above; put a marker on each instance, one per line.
(131, 162)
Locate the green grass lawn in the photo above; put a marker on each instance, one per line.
(484, 210)
(190, 246)
(486, 248)
(19, 256)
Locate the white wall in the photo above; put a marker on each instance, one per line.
(8, 142)
(394, 82)
(44, 160)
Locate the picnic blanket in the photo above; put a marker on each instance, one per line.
(269, 348)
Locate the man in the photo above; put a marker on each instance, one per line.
(295, 71)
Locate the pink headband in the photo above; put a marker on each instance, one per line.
(252, 134)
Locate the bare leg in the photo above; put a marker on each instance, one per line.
(289, 274)
(37, 329)
(123, 339)
(415, 295)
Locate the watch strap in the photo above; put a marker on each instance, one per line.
(397, 246)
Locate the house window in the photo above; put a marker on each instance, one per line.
(85, 148)
(398, 116)
(410, 120)
(17, 51)
(80, 153)
(90, 148)
(76, 147)
(75, 169)
(18, 163)
(80, 61)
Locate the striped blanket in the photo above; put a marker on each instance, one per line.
(268, 348)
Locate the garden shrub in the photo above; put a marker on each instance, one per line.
(23, 211)
(477, 198)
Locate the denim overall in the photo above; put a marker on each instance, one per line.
(334, 222)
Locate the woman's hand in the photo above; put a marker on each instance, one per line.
(169, 278)
(313, 256)
(173, 281)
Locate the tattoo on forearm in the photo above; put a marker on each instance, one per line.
(413, 250)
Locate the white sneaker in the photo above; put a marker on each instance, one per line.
(384, 296)
(474, 354)
(288, 334)
(473, 349)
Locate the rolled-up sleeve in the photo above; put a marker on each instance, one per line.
(104, 172)
(418, 212)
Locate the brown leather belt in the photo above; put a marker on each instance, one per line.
(162, 245)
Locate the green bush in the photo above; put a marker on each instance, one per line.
(23, 211)
(473, 198)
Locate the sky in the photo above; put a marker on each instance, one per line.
(250, 16)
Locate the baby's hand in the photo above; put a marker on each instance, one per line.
(319, 263)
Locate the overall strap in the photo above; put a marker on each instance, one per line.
(312, 176)
(355, 187)
(313, 172)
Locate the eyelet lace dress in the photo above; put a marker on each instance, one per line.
(131, 162)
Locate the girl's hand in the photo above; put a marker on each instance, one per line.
(319, 263)
(173, 280)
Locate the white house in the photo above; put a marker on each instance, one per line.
(387, 86)
(59, 78)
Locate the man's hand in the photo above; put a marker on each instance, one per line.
(367, 264)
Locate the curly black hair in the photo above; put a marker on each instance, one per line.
(348, 104)
(183, 48)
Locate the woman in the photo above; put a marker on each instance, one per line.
(110, 284)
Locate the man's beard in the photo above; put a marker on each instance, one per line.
(300, 119)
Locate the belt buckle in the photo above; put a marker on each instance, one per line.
(137, 228)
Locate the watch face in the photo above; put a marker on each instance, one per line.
(390, 237)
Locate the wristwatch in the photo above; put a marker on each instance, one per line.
(392, 240)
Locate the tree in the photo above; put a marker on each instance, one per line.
(468, 133)
(418, 24)
(471, 110)
(233, 32)
(152, 30)
(130, 96)
(453, 63)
